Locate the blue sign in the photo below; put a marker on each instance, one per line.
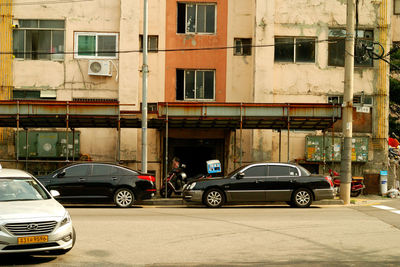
(384, 173)
(213, 166)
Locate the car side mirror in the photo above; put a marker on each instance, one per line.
(61, 174)
(240, 175)
(54, 193)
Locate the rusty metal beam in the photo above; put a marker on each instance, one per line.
(74, 114)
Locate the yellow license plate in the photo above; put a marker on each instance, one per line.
(33, 239)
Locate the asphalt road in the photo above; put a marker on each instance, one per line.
(233, 236)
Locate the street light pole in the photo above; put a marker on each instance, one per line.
(145, 70)
(345, 166)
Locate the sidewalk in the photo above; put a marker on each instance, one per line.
(361, 200)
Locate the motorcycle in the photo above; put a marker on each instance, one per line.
(177, 179)
(174, 182)
(357, 184)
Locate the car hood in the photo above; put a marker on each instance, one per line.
(27, 210)
(209, 179)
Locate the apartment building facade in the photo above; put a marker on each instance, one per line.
(213, 51)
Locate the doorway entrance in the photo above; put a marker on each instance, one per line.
(195, 152)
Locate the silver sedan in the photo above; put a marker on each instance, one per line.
(31, 220)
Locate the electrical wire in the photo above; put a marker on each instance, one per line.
(167, 50)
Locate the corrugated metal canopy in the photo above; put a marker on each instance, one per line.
(59, 114)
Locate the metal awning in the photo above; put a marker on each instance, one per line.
(77, 114)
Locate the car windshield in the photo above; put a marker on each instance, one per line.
(237, 170)
(20, 189)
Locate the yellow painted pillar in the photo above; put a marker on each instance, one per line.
(6, 57)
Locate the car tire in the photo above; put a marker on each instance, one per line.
(124, 198)
(302, 198)
(355, 193)
(162, 192)
(214, 198)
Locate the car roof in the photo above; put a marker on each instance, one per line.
(4, 173)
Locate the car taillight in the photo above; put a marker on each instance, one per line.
(329, 180)
(147, 177)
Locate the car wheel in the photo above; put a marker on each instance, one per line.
(162, 192)
(355, 193)
(124, 198)
(302, 198)
(214, 198)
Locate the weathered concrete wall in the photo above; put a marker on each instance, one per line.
(396, 28)
(240, 69)
(304, 82)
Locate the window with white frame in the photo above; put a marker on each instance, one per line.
(39, 39)
(336, 47)
(358, 100)
(96, 45)
(194, 18)
(396, 7)
(195, 84)
(242, 47)
(294, 49)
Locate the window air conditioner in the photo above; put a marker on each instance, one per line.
(99, 68)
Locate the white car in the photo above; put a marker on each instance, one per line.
(31, 220)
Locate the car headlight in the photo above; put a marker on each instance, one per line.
(66, 220)
(191, 186)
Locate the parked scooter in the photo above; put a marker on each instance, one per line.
(357, 184)
(174, 182)
(177, 179)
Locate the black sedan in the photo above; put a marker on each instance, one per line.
(261, 182)
(100, 182)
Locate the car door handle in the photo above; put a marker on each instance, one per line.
(258, 181)
(114, 178)
(82, 179)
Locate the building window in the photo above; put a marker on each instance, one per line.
(358, 100)
(336, 47)
(292, 49)
(396, 7)
(33, 94)
(242, 47)
(152, 43)
(39, 39)
(196, 18)
(195, 84)
(96, 45)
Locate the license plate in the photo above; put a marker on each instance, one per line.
(33, 239)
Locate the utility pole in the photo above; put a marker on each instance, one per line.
(345, 166)
(145, 70)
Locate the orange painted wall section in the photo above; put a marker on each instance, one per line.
(203, 59)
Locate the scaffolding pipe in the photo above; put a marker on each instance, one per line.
(241, 129)
(118, 148)
(16, 164)
(73, 144)
(27, 150)
(234, 149)
(66, 132)
(280, 145)
(288, 134)
(166, 152)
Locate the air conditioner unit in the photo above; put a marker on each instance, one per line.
(99, 68)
